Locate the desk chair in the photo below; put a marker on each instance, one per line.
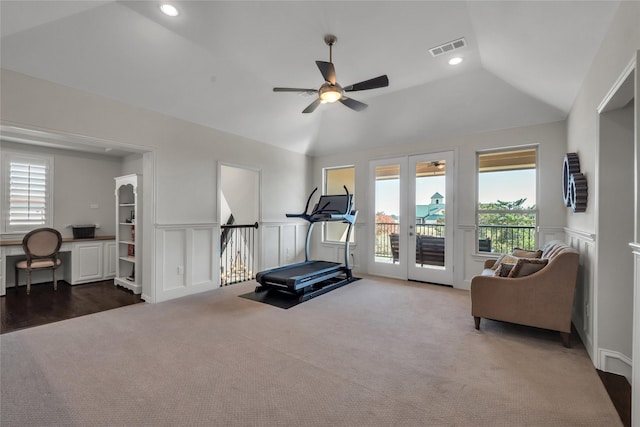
(41, 247)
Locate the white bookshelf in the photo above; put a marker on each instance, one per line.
(128, 233)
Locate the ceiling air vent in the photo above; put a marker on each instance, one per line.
(448, 47)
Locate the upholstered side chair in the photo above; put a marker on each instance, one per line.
(41, 246)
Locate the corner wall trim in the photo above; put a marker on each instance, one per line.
(606, 357)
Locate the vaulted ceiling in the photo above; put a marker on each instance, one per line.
(217, 62)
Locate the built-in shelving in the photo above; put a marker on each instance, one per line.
(128, 233)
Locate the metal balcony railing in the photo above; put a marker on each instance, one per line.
(506, 237)
(237, 253)
(491, 238)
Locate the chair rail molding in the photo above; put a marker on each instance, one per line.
(582, 235)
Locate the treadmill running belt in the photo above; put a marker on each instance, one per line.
(300, 275)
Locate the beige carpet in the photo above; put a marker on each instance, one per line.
(374, 353)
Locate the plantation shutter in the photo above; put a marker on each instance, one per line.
(28, 193)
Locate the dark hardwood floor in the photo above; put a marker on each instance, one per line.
(19, 310)
(619, 390)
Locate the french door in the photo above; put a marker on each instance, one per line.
(412, 201)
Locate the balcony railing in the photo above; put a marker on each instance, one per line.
(506, 237)
(491, 238)
(237, 253)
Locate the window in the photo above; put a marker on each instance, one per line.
(335, 179)
(26, 192)
(506, 210)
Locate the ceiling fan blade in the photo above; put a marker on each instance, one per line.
(294, 89)
(353, 104)
(375, 83)
(328, 71)
(312, 106)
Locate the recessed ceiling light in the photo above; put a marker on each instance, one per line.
(169, 9)
(455, 60)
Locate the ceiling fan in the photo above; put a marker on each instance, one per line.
(331, 91)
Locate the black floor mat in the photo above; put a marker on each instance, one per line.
(274, 298)
(278, 299)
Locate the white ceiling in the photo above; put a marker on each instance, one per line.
(217, 62)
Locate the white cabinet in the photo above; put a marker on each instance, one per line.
(87, 262)
(110, 259)
(128, 233)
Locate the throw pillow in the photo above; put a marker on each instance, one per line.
(523, 253)
(507, 259)
(503, 270)
(527, 266)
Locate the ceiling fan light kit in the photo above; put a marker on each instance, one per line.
(331, 91)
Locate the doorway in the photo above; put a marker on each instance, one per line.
(412, 228)
(239, 204)
(615, 219)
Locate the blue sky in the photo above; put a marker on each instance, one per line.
(505, 186)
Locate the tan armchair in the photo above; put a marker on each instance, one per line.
(41, 247)
(543, 299)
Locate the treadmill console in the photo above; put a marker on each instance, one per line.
(332, 207)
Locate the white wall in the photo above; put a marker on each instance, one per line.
(80, 181)
(180, 172)
(241, 190)
(551, 141)
(132, 164)
(592, 319)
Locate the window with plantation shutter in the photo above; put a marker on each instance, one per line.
(26, 192)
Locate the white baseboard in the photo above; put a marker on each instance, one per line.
(615, 362)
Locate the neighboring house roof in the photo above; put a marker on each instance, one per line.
(430, 211)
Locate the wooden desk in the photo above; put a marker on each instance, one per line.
(83, 261)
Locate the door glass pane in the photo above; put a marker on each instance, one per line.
(387, 208)
(430, 199)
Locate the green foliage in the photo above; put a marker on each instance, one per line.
(508, 228)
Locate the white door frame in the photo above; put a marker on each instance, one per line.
(401, 269)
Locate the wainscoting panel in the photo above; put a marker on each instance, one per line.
(174, 251)
(547, 234)
(187, 259)
(465, 250)
(204, 252)
(270, 236)
(287, 244)
(584, 313)
(283, 243)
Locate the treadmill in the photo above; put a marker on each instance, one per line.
(312, 278)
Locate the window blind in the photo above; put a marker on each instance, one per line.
(28, 192)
